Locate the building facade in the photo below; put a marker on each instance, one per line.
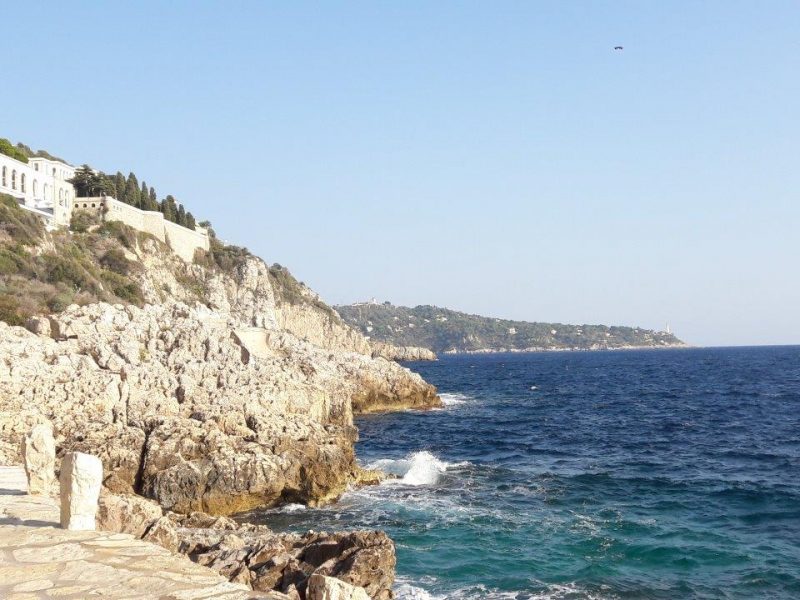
(41, 185)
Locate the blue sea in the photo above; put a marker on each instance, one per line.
(632, 474)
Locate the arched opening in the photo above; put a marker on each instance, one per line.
(14, 179)
(44, 195)
(22, 182)
(5, 171)
(35, 188)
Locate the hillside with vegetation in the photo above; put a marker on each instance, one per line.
(44, 272)
(444, 331)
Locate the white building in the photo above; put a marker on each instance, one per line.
(41, 185)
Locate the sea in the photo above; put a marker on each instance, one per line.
(653, 474)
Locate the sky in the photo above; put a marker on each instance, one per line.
(499, 158)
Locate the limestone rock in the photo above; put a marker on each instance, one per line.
(163, 533)
(127, 514)
(81, 478)
(163, 397)
(39, 456)
(321, 587)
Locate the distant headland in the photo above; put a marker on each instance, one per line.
(446, 331)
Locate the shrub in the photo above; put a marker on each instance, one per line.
(82, 220)
(114, 259)
(11, 150)
(118, 230)
(9, 310)
(20, 225)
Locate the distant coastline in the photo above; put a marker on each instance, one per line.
(444, 331)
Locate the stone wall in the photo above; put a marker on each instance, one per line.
(182, 240)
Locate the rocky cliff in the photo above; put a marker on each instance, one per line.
(221, 392)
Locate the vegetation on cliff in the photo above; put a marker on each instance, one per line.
(444, 330)
(13, 151)
(45, 272)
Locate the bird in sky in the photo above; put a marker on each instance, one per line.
(617, 47)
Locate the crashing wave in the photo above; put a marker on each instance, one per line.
(419, 468)
(453, 399)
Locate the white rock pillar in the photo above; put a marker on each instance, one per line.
(81, 478)
(39, 456)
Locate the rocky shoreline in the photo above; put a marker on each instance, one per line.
(199, 410)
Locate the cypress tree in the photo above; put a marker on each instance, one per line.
(190, 222)
(169, 208)
(153, 199)
(132, 191)
(144, 197)
(181, 216)
(119, 187)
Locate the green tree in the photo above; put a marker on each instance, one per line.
(119, 187)
(153, 199)
(181, 216)
(170, 208)
(132, 191)
(190, 222)
(82, 180)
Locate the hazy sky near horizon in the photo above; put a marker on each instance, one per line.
(494, 157)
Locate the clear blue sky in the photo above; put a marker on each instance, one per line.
(495, 157)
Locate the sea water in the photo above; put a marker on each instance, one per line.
(630, 474)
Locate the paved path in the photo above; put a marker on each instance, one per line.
(40, 560)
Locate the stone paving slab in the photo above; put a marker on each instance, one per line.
(39, 560)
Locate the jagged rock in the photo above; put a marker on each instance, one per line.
(243, 401)
(39, 458)
(127, 514)
(321, 587)
(163, 533)
(81, 479)
(38, 325)
(162, 396)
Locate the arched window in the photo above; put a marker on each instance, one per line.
(35, 188)
(44, 194)
(22, 182)
(4, 177)
(14, 179)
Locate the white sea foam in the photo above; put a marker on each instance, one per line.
(454, 399)
(419, 468)
(290, 508)
(406, 591)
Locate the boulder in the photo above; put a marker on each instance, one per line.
(321, 587)
(39, 457)
(127, 514)
(81, 478)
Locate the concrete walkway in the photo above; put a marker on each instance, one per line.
(40, 560)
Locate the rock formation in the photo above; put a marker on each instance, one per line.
(39, 458)
(226, 391)
(401, 353)
(328, 588)
(81, 479)
(254, 555)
